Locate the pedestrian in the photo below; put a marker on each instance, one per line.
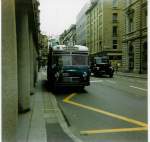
(116, 68)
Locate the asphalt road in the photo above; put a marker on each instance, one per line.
(109, 110)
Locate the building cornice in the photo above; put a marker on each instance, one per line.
(93, 4)
(127, 7)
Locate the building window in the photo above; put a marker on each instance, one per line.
(114, 3)
(130, 23)
(131, 57)
(130, 19)
(115, 44)
(144, 57)
(114, 31)
(145, 18)
(114, 18)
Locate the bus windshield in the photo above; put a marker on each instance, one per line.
(79, 59)
(68, 60)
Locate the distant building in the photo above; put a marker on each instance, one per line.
(135, 36)
(53, 42)
(104, 29)
(43, 50)
(81, 25)
(69, 36)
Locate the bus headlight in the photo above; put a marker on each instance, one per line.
(57, 75)
(111, 68)
(97, 68)
(84, 75)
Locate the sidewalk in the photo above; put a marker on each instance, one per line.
(134, 75)
(45, 122)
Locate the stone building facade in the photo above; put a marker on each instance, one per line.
(135, 36)
(104, 29)
(43, 50)
(20, 28)
(81, 25)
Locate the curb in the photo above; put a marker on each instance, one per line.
(62, 121)
(134, 76)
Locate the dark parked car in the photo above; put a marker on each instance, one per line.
(101, 66)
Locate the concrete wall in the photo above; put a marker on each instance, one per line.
(19, 63)
(9, 72)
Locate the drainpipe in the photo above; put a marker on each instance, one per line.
(140, 71)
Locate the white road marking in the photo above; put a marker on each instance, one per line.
(96, 81)
(138, 88)
(110, 81)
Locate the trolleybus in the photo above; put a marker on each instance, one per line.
(68, 66)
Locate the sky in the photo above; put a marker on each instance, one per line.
(58, 15)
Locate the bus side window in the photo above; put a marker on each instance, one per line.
(60, 62)
(53, 66)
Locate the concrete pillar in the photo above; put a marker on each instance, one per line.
(125, 58)
(137, 56)
(31, 63)
(23, 60)
(9, 72)
(35, 64)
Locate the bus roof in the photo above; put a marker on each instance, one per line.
(81, 47)
(59, 47)
(70, 48)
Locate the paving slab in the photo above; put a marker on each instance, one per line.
(56, 134)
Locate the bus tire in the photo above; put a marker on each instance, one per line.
(111, 75)
(81, 88)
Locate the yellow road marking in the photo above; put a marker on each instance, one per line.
(67, 100)
(69, 97)
(88, 132)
